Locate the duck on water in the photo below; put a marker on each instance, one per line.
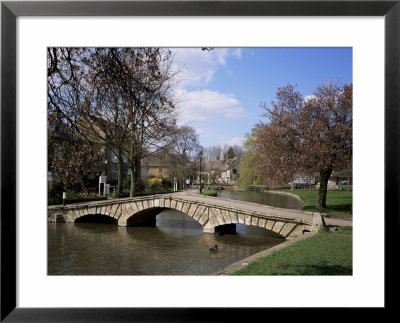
(214, 249)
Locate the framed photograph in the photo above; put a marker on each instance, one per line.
(369, 33)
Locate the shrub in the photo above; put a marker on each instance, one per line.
(154, 185)
(55, 191)
(127, 183)
(167, 183)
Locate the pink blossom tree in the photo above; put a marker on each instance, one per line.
(306, 135)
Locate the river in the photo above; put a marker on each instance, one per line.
(175, 246)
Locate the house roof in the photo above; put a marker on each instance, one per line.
(219, 166)
(154, 161)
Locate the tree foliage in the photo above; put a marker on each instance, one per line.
(229, 153)
(250, 161)
(303, 135)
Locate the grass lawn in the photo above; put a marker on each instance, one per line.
(338, 203)
(209, 192)
(326, 253)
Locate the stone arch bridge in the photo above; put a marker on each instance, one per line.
(214, 214)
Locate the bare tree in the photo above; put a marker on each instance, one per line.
(213, 152)
(151, 106)
(122, 99)
(72, 157)
(105, 113)
(185, 142)
(238, 151)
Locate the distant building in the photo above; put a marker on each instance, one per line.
(338, 180)
(155, 166)
(152, 166)
(221, 171)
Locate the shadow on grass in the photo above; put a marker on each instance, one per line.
(339, 208)
(343, 207)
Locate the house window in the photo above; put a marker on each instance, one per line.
(114, 175)
(160, 170)
(144, 169)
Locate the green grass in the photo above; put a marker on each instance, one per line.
(326, 253)
(338, 203)
(209, 192)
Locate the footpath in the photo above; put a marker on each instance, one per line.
(264, 209)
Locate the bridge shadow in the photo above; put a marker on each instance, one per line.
(172, 219)
(144, 218)
(96, 218)
(243, 229)
(345, 207)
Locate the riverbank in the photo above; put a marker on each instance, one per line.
(339, 204)
(244, 262)
(325, 253)
(322, 253)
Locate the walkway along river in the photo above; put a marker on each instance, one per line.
(176, 246)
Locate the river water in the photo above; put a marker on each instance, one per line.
(273, 199)
(176, 246)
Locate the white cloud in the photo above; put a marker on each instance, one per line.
(221, 55)
(198, 131)
(235, 141)
(206, 104)
(197, 66)
(309, 97)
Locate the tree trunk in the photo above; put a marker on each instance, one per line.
(324, 177)
(83, 186)
(120, 172)
(136, 177)
(132, 189)
(183, 177)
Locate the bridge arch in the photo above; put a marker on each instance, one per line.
(145, 217)
(144, 212)
(96, 218)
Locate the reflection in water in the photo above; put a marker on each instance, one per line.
(176, 246)
(266, 198)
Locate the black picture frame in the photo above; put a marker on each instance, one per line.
(10, 10)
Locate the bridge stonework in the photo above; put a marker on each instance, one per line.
(143, 211)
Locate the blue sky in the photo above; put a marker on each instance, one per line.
(220, 91)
